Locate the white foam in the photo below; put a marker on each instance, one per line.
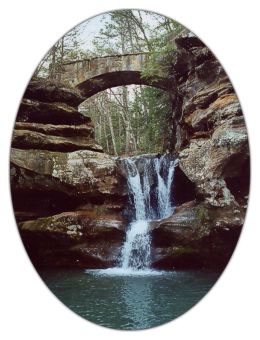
(117, 271)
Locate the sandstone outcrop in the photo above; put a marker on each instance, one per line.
(196, 235)
(211, 132)
(77, 238)
(49, 113)
(210, 137)
(49, 92)
(64, 188)
(78, 172)
(78, 226)
(84, 130)
(27, 139)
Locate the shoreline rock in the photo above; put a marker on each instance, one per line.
(196, 234)
(77, 238)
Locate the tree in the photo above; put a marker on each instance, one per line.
(124, 32)
(68, 48)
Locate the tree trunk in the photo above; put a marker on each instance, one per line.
(108, 113)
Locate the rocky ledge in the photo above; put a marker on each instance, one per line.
(79, 172)
(78, 238)
(196, 235)
(64, 187)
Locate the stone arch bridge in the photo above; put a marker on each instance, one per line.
(91, 76)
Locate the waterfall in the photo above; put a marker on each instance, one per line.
(136, 252)
(168, 207)
(135, 188)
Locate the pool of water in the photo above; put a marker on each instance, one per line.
(116, 299)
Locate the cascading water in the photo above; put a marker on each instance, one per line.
(164, 187)
(137, 248)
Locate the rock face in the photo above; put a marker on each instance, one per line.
(210, 136)
(214, 145)
(81, 239)
(49, 92)
(49, 113)
(84, 130)
(64, 188)
(196, 235)
(83, 171)
(207, 162)
(27, 139)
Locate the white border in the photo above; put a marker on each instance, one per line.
(230, 29)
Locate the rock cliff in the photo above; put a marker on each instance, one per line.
(210, 138)
(64, 188)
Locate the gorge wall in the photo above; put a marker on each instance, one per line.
(210, 137)
(64, 188)
(69, 196)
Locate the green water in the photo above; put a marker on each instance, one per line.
(129, 301)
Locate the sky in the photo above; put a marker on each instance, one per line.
(91, 29)
(92, 26)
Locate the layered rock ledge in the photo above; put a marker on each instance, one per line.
(196, 235)
(210, 139)
(64, 188)
(78, 238)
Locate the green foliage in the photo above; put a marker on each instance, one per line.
(124, 31)
(159, 62)
(160, 56)
(150, 125)
(148, 113)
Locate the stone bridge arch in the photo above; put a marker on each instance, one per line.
(91, 76)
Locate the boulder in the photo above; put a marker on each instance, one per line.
(94, 255)
(99, 255)
(170, 258)
(192, 221)
(182, 227)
